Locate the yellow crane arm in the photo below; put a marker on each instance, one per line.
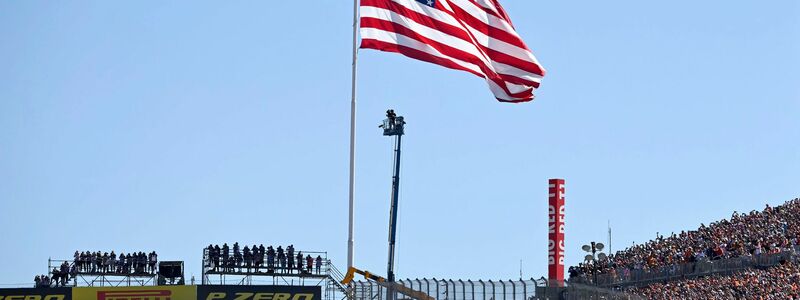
(351, 272)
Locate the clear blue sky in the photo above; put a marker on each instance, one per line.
(169, 125)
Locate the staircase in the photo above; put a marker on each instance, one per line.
(334, 283)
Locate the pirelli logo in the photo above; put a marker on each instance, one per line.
(259, 296)
(135, 295)
(33, 297)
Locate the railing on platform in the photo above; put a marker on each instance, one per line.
(635, 277)
(77, 277)
(325, 275)
(240, 273)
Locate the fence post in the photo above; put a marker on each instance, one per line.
(437, 287)
(428, 287)
(463, 289)
(472, 288)
(504, 289)
(483, 288)
(454, 292)
(492, 283)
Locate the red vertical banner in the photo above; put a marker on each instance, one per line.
(555, 231)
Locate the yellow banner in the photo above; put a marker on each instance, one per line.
(135, 293)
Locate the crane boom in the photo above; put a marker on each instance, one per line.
(413, 294)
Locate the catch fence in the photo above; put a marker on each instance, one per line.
(458, 289)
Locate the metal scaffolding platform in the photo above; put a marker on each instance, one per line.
(79, 278)
(325, 275)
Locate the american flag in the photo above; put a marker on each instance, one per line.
(469, 35)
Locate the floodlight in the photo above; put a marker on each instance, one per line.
(599, 246)
(587, 248)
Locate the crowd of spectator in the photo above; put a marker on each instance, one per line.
(134, 263)
(111, 263)
(59, 276)
(773, 230)
(257, 258)
(781, 282)
(43, 281)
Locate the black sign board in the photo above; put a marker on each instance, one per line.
(258, 292)
(63, 293)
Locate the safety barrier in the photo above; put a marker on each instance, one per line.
(635, 277)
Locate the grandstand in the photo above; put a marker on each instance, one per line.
(751, 255)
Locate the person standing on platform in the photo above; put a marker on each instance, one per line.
(97, 262)
(73, 271)
(55, 276)
(300, 262)
(255, 257)
(216, 257)
(283, 263)
(112, 262)
(76, 261)
(210, 257)
(281, 259)
(261, 256)
(121, 262)
(105, 261)
(248, 258)
(64, 272)
(309, 263)
(237, 254)
(153, 261)
(270, 259)
(226, 257)
(319, 264)
(290, 252)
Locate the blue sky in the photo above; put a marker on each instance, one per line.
(169, 125)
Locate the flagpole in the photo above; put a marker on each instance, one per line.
(352, 136)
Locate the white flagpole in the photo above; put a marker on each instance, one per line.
(352, 137)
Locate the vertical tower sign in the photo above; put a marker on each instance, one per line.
(555, 232)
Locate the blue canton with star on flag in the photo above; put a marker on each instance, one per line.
(431, 3)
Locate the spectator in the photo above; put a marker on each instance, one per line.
(248, 258)
(237, 256)
(778, 282)
(271, 259)
(300, 262)
(261, 255)
(252, 259)
(309, 263)
(772, 230)
(153, 258)
(290, 254)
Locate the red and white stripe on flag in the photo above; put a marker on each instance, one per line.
(469, 35)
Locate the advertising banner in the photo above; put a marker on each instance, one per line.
(182, 292)
(36, 294)
(258, 292)
(555, 232)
